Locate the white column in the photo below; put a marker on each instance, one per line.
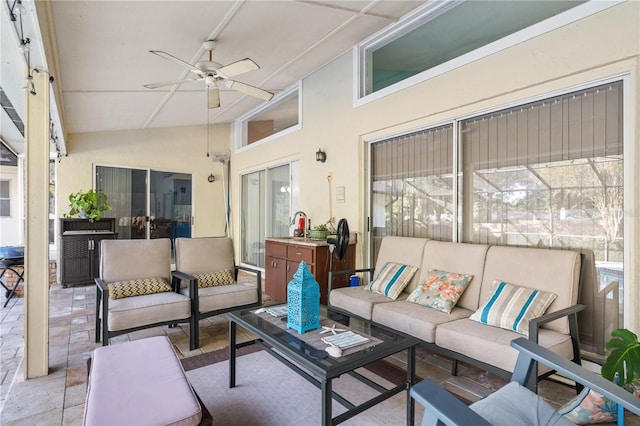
(36, 294)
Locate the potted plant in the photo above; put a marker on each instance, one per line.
(89, 205)
(624, 358)
(319, 232)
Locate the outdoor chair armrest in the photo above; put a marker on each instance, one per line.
(102, 286)
(178, 276)
(535, 323)
(531, 352)
(258, 274)
(441, 407)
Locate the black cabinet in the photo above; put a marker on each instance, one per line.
(80, 248)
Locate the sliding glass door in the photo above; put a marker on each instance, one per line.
(147, 203)
(268, 197)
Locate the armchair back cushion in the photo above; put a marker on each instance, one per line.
(203, 255)
(125, 260)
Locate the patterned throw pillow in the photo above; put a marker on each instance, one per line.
(590, 407)
(392, 279)
(440, 290)
(121, 289)
(213, 279)
(512, 307)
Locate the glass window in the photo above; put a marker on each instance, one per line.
(412, 185)
(550, 174)
(5, 198)
(279, 116)
(443, 31)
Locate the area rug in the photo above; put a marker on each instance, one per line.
(269, 393)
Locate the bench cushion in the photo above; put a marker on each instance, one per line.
(139, 382)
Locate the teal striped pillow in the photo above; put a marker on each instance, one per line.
(512, 307)
(392, 279)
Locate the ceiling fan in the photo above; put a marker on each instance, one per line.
(213, 73)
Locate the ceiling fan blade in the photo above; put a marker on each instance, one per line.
(213, 97)
(239, 67)
(249, 90)
(169, 83)
(175, 60)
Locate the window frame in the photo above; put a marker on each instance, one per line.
(240, 123)
(422, 14)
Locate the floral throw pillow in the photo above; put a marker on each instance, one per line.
(440, 290)
(590, 407)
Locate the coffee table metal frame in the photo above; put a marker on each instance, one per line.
(293, 352)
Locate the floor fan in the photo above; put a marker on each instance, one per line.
(340, 243)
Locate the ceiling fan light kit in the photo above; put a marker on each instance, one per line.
(213, 73)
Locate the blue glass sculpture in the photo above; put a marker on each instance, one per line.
(303, 301)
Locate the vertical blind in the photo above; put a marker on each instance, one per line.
(413, 184)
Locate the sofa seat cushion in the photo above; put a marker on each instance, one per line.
(491, 345)
(224, 296)
(514, 404)
(358, 301)
(414, 319)
(137, 311)
(139, 382)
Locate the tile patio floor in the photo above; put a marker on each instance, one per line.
(58, 398)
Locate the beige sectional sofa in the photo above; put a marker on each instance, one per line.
(454, 334)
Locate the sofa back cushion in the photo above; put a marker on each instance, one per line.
(461, 258)
(555, 271)
(124, 260)
(204, 255)
(402, 250)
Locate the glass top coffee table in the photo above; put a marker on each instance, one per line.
(305, 354)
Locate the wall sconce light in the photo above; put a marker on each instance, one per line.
(211, 178)
(321, 156)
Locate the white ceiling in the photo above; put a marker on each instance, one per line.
(104, 60)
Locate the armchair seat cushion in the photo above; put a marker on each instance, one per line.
(224, 296)
(136, 311)
(357, 301)
(514, 404)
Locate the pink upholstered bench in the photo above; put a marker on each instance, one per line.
(140, 382)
